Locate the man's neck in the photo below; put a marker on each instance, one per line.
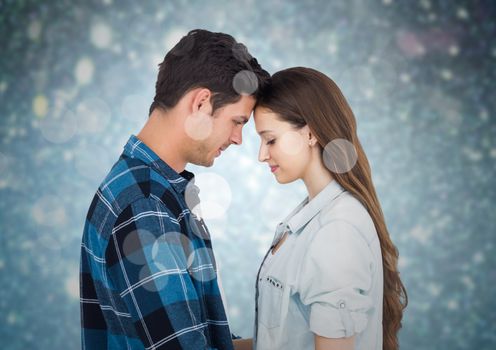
(162, 134)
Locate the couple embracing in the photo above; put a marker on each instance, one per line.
(329, 279)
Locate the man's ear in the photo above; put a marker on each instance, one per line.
(201, 101)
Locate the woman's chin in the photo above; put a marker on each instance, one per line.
(284, 180)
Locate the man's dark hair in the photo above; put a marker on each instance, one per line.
(210, 60)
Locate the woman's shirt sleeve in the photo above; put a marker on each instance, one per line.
(334, 280)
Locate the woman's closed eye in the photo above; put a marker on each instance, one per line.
(271, 142)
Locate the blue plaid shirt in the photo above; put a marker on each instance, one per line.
(148, 276)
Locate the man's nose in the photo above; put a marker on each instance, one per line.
(237, 136)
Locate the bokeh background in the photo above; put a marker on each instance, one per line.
(77, 78)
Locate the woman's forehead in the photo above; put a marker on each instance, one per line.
(270, 123)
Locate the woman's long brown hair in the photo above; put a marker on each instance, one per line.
(304, 96)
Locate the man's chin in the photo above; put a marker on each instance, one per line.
(204, 162)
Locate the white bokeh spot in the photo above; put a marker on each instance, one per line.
(201, 264)
(217, 228)
(215, 195)
(49, 211)
(34, 29)
(245, 83)
(153, 282)
(101, 35)
(93, 115)
(175, 243)
(84, 71)
(72, 287)
(340, 156)
(134, 244)
(40, 106)
(198, 126)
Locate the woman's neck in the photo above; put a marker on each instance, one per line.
(316, 178)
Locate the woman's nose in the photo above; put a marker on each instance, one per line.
(263, 153)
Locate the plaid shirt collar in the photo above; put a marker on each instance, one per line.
(135, 148)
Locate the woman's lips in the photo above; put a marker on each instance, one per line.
(274, 168)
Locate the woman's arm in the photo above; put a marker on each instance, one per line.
(243, 344)
(322, 343)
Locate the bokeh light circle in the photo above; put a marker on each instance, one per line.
(202, 265)
(49, 210)
(84, 70)
(101, 35)
(153, 278)
(93, 115)
(215, 195)
(59, 128)
(340, 156)
(240, 52)
(199, 227)
(171, 250)
(50, 241)
(245, 83)
(198, 126)
(134, 244)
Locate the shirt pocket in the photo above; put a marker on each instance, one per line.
(270, 302)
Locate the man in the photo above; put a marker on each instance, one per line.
(148, 274)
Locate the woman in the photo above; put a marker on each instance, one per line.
(330, 279)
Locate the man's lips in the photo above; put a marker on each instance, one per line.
(220, 150)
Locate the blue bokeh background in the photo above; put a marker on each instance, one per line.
(77, 78)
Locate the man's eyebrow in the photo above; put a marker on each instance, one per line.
(244, 118)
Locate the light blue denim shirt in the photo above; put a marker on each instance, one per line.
(326, 277)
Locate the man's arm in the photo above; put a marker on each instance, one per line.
(147, 264)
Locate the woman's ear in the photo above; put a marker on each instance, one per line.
(310, 137)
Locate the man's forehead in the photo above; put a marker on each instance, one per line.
(244, 106)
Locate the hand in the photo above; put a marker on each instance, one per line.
(243, 344)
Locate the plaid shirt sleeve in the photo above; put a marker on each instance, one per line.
(147, 264)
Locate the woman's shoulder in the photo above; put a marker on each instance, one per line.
(347, 209)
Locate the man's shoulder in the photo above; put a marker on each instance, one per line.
(129, 181)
